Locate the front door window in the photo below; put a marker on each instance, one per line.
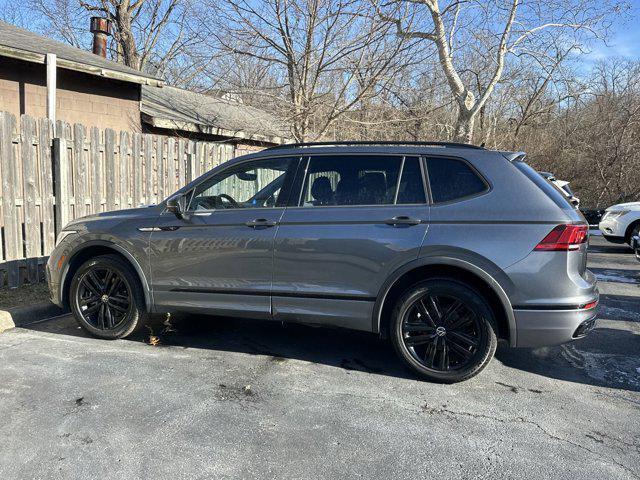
(250, 185)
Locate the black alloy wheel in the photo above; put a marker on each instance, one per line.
(103, 298)
(441, 332)
(106, 297)
(444, 330)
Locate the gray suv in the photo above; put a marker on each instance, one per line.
(442, 248)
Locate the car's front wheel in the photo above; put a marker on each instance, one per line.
(444, 330)
(634, 232)
(106, 297)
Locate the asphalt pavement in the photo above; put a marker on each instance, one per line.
(220, 398)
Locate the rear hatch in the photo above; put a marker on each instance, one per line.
(576, 254)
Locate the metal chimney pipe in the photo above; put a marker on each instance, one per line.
(101, 29)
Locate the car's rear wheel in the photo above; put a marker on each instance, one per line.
(106, 297)
(444, 330)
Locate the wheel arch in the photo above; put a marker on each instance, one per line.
(96, 248)
(455, 268)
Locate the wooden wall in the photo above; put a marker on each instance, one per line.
(51, 175)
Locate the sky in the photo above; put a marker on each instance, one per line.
(624, 39)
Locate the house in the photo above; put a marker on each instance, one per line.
(37, 73)
(178, 112)
(89, 89)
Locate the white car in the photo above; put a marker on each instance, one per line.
(563, 186)
(621, 222)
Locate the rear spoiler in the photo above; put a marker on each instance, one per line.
(514, 156)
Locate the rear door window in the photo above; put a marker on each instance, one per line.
(452, 179)
(411, 187)
(338, 180)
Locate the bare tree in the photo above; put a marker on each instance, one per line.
(148, 35)
(490, 32)
(12, 11)
(609, 132)
(327, 55)
(138, 27)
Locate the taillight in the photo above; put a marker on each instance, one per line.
(564, 237)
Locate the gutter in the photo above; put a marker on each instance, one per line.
(40, 58)
(211, 130)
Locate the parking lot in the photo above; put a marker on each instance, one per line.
(245, 399)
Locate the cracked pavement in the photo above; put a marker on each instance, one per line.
(246, 399)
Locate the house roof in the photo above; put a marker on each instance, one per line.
(177, 109)
(25, 45)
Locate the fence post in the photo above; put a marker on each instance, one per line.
(189, 168)
(61, 190)
(110, 168)
(12, 227)
(48, 200)
(30, 197)
(136, 168)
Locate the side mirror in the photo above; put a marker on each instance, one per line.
(176, 206)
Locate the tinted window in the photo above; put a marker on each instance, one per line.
(361, 180)
(452, 179)
(411, 188)
(547, 187)
(251, 185)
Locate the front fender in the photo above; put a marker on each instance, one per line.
(84, 245)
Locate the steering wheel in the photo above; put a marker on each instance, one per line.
(229, 199)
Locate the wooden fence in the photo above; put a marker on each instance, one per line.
(53, 174)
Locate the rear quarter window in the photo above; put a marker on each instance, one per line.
(453, 179)
(543, 184)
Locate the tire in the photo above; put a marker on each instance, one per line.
(633, 231)
(108, 307)
(450, 342)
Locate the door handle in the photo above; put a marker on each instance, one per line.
(402, 220)
(260, 222)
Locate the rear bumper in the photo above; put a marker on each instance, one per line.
(538, 328)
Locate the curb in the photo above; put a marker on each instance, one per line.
(20, 316)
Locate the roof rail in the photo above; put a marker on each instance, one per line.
(373, 142)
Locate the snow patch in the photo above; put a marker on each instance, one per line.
(605, 312)
(612, 276)
(606, 368)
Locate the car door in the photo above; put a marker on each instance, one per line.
(356, 219)
(219, 257)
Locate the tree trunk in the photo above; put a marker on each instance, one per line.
(125, 36)
(464, 127)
